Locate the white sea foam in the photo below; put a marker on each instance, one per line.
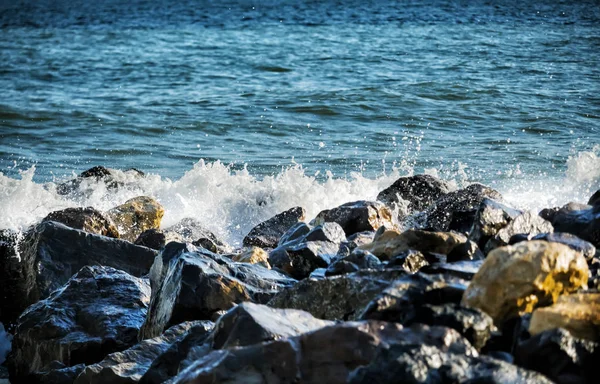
(230, 202)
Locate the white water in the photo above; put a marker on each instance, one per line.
(231, 202)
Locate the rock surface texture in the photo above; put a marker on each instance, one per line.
(419, 191)
(268, 233)
(137, 215)
(358, 216)
(87, 219)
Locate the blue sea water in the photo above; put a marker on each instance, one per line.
(307, 102)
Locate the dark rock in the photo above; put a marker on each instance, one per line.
(50, 253)
(13, 281)
(411, 261)
(295, 233)
(97, 172)
(491, 217)
(192, 231)
(420, 191)
(528, 223)
(156, 238)
(354, 241)
(594, 199)
(56, 373)
(583, 223)
(439, 216)
(82, 185)
(462, 221)
(87, 219)
(354, 262)
(268, 233)
(358, 216)
(100, 310)
(467, 251)
(341, 267)
(585, 248)
(190, 283)
(561, 357)
(328, 231)
(338, 297)
(462, 269)
(128, 366)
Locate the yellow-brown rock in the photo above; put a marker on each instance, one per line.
(516, 279)
(137, 215)
(578, 313)
(254, 255)
(389, 243)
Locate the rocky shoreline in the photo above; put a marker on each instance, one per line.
(472, 291)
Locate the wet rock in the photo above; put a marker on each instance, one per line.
(192, 231)
(326, 355)
(156, 238)
(594, 199)
(467, 251)
(575, 243)
(328, 231)
(87, 219)
(340, 297)
(355, 261)
(57, 373)
(358, 216)
(13, 281)
(50, 253)
(528, 223)
(583, 223)
(137, 215)
(128, 366)
(491, 217)
(462, 269)
(190, 283)
(84, 184)
(387, 244)
(411, 261)
(560, 357)
(254, 255)
(354, 241)
(100, 310)
(577, 313)
(420, 191)
(461, 202)
(295, 233)
(268, 233)
(516, 279)
(94, 173)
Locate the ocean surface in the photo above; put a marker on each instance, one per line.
(227, 105)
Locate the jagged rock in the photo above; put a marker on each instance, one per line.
(13, 281)
(340, 297)
(595, 198)
(56, 373)
(268, 233)
(411, 261)
(585, 248)
(190, 283)
(353, 262)
(192, 231)
(387, 244)
(467, 251)
(462, 269)
(326, 355)
(516, 279)
(50, 253)
(169, 363)
(420, 191)
(95, 173)
(294, 233)
(583, 223)
(354, 241)
(128, 366)
(358, 216)
(156, 238)
(87, 219)
(254, 255)
(100, 310)
(467, 200)
(137, 215)
(560, 357)
(328, 231)
(577, 313)
(528, 223)
(491, 217)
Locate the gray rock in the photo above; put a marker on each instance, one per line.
(190, 283)
(268, 233)
(583, 223)
(295, 233)
(355, 261)
(491, 217)
(328, 231)
(420, 191)
(585, 248)
(100, 310)
(192, 231)
(528, 223)
(358, 216)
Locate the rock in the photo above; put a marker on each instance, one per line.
(577, 313)
(137, 215)
(560, 357)
(13, 281)
(594, 199)
(192, 231)
(583, 222)
(84, 184)
(295, 233)
(253, 255)
(354, 241)
(94, 173)
(169, 363)
(462, 269)
(326, 355)
(128, 366)
(358, 216)
(420, 191)
(354, 262)
(190, 283)
(87, 219)
(268, 233)
(411, 261)
(340, 297)
(387, 244)
(528, 223)
(329, 231)
(100, 310)
(467, 251)
(156, 238)
(516, 279)
(5, 342)
(491, 217)
(587, 250)
(50, 253)
(440, 215)
(57, 373)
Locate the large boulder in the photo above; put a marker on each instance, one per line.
(420, 191)
(87, 219)
(387, 244)
(137, 215)
(459, 207)
(190, 283)
(341, 297)
(528, 223)
(358, 216)
(490, 218)
(50, 253)
(587, 250)
(268, 233)
(577, 313)
(583, 223)
(100, 310)
(516, 279)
